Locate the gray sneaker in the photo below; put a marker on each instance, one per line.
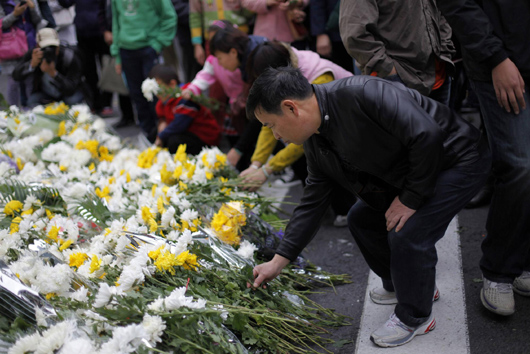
(498, 297)
(521, 284)
(383, 297)
(394, 332)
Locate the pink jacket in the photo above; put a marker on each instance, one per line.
(212, 71)
(312, 65)
(270, 22)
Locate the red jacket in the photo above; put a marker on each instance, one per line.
(184, 115)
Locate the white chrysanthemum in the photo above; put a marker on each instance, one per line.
(124, 340)
(150, 88)
(154, 326)
(246, 249)
(40, 317)
(75, 159)
(5, 168)
(223, 313)
(78, 346)
(189, 215)
(80, 294)
(123, 242)
(55, 337)
(99, 125)
(76, 136)
(55, 279)
(27, 344)
(134, 273)
(75, 191)
(167, 216)
(173, 235)
(54, 152)
(29, 201)
(176, 300)
(105, 294)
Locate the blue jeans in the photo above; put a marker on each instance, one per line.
(406, 260)
(136, 65)
(506, 248)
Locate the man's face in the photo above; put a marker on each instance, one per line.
(287, 127)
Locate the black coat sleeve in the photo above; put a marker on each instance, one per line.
(474, 31)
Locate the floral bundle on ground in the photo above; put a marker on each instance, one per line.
(107, 249)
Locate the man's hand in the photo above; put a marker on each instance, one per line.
(161, 126)
(48, 68)
(254, 178)
(36, 57)
(324, 45)
(30, 4)
(266, 272)
(397, 214)
(117, 67)
(107, 36)
(199, 54)
(233, 157)
(509, 86)
(158, 142)
(19, 9)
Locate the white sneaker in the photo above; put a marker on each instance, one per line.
(498, 297)
(394, 332)
(383, 297)
(286, 179)
(521, 284)
(340, 221)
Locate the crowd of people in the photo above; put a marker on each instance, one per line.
(385, 147)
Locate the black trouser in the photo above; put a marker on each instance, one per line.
(194, 145)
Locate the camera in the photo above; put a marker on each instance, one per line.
(48, 54)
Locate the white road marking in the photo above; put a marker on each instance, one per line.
(451, 333)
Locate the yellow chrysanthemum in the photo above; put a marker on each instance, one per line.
(166, 176)
(15, 223)
(160, 205)
(53, 234)
(181, 155)
(154, 254)
(188, 260)
(17, 121)
(209, 175)
(50, 295)
(92, 167)
(27, 212)
(62, 128)
(63, 168)
(65, 245)
(128, 177)
(105, 193)
(178, 172)
(146, 214)
(95, 264)
(191, 170)
(77, 259)
(228, 221)
(166, 261)
(147, 157)
(20, 164)
(13, 207)
(104, 154)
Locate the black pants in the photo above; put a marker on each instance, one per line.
(194, 145)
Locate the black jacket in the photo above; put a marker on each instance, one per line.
(68, 66)
(490, 33)
(377, 139)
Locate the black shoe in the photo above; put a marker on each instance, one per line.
(123, 123)
(482, 198)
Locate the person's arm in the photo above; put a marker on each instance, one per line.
(356, 17)
(167, 25)
(258, 6)
(204, 78)
(286, 157)
(184, 113)
(9, 20)
(68, 82)
(475, 33)
(24, 69)
(319, 18)
(34, 12)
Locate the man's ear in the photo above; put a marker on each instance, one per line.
(290, 107)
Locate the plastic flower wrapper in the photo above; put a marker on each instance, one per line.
(19, 301)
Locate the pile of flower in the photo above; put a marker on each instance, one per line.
(107, 249)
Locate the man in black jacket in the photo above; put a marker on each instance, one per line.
(494, 39)
(56, 71)
(412, 162)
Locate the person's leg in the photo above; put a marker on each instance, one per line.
(136, 65)
(75, 98)
(506, 248)
(406, 260)
(443, 93)
(38, 98)
(90, 71)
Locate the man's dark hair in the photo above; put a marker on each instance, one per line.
(164, 73)
(274, 86)
(270, 54)
(226, 39)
